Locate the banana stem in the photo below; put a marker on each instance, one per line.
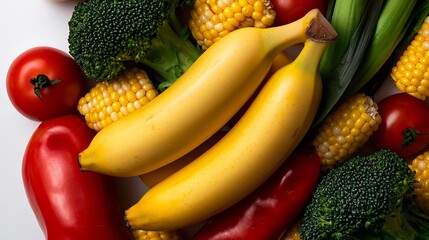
(320, 30)
(313, 26)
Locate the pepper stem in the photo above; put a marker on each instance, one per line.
(41, 82)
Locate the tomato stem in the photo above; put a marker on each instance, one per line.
(41, 82)
(410, 135)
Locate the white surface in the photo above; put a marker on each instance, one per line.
(26, 24)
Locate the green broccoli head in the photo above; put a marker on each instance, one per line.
(106, 34)
(357, 195)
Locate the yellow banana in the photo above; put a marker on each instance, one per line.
(152, 178)
(247, 155)
(197, 105)
(281, 60)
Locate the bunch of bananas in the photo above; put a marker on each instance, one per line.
(197, 105)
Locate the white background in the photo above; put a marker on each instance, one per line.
(25, 24)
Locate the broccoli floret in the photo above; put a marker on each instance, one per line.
(364, 195)
(105, 35)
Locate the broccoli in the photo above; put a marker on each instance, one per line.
(408, 223)
(106, 35)
(365, 198)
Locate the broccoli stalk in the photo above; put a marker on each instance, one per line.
(408, 223)
(365, 198)
(169, 56)
(396, 225)
(106, 35)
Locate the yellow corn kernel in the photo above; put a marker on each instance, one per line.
(235, 7)
(247, 10)
(420, 165)
(228, 26)
(345, 130)
(107, 102)
(239, 17)
(410, 73)
(228, 12)
(210, 20)
(157, 235)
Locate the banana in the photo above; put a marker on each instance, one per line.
(152, 178)
(267, 133)
(282, 59)
(197, 105)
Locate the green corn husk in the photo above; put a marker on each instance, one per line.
(390, 30)
(420, 12)
(345, 18)
(336, 80)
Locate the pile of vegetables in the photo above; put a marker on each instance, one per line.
(143, 92)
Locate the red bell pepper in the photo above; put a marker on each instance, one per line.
(69, 204)
(272, 208)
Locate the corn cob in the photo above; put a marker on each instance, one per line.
(293, 232)
(212, 19)
(421, 188)
(346, 129)
(107, 102)
(157, 235)
(411, 73)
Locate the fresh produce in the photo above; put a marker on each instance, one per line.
(338, 68)
(345, 130)
(155, 176)
(213, 136)
(250, 152)
(404, 128)
(157, 235)
(44, 82)
(346, 16)
(68, 203)
(364, 195)
(152, 178)
(273, 207)
(291, 10)
(211, 20)
(416, 219)
(105, 35)
(281, 60)
(108, 101)
(197, 105)
(292, 233)
(379, 32)
(420, 165)
(409, 224)
(411, 71)
(391, 28)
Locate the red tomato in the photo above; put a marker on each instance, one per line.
(402, 114)
(288, 11)
(51, 73)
